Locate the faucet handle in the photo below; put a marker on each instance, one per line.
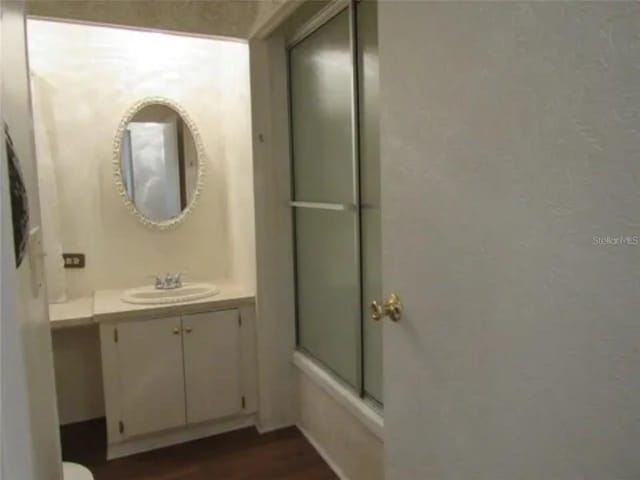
(177, 278)
(159, 282)
(172, 280)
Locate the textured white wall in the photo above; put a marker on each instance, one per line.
(274, 249)
(510, 138)
(93, 75)
(48, 189)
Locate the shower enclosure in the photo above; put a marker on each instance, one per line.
(333, 82)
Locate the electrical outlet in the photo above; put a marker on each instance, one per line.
(73, 260)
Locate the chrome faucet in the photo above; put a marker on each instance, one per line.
(169, 281)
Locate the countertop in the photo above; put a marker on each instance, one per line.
(106, 305)
(73, 313)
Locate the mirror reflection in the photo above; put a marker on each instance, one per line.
(159, 162)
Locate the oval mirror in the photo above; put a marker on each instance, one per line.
(158, 161)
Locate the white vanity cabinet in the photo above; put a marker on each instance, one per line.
(212, 365)
(170, 379)
(149, 353)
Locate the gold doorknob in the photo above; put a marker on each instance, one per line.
(377, 312)
(392, 308)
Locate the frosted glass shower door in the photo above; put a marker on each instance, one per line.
(325, 198)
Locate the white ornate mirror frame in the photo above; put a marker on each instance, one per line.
(117, 165)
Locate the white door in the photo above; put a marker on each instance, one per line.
(510, 145)
(29, 422)
(151, 375)
(212, 356)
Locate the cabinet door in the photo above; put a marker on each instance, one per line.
(212, 357)
(151, 375)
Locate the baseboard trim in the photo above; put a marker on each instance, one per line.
(323, 453)
(81, 419)
(174, 437)
(272, 428)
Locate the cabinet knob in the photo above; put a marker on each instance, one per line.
(188, 329)
(176, 331)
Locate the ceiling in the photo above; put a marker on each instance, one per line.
(227, 18)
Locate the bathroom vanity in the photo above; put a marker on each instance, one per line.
(172, 372)
(177, 360)
(176, 372)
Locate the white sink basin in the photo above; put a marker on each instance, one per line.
(153, 296)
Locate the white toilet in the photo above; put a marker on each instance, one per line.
(73, 471)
